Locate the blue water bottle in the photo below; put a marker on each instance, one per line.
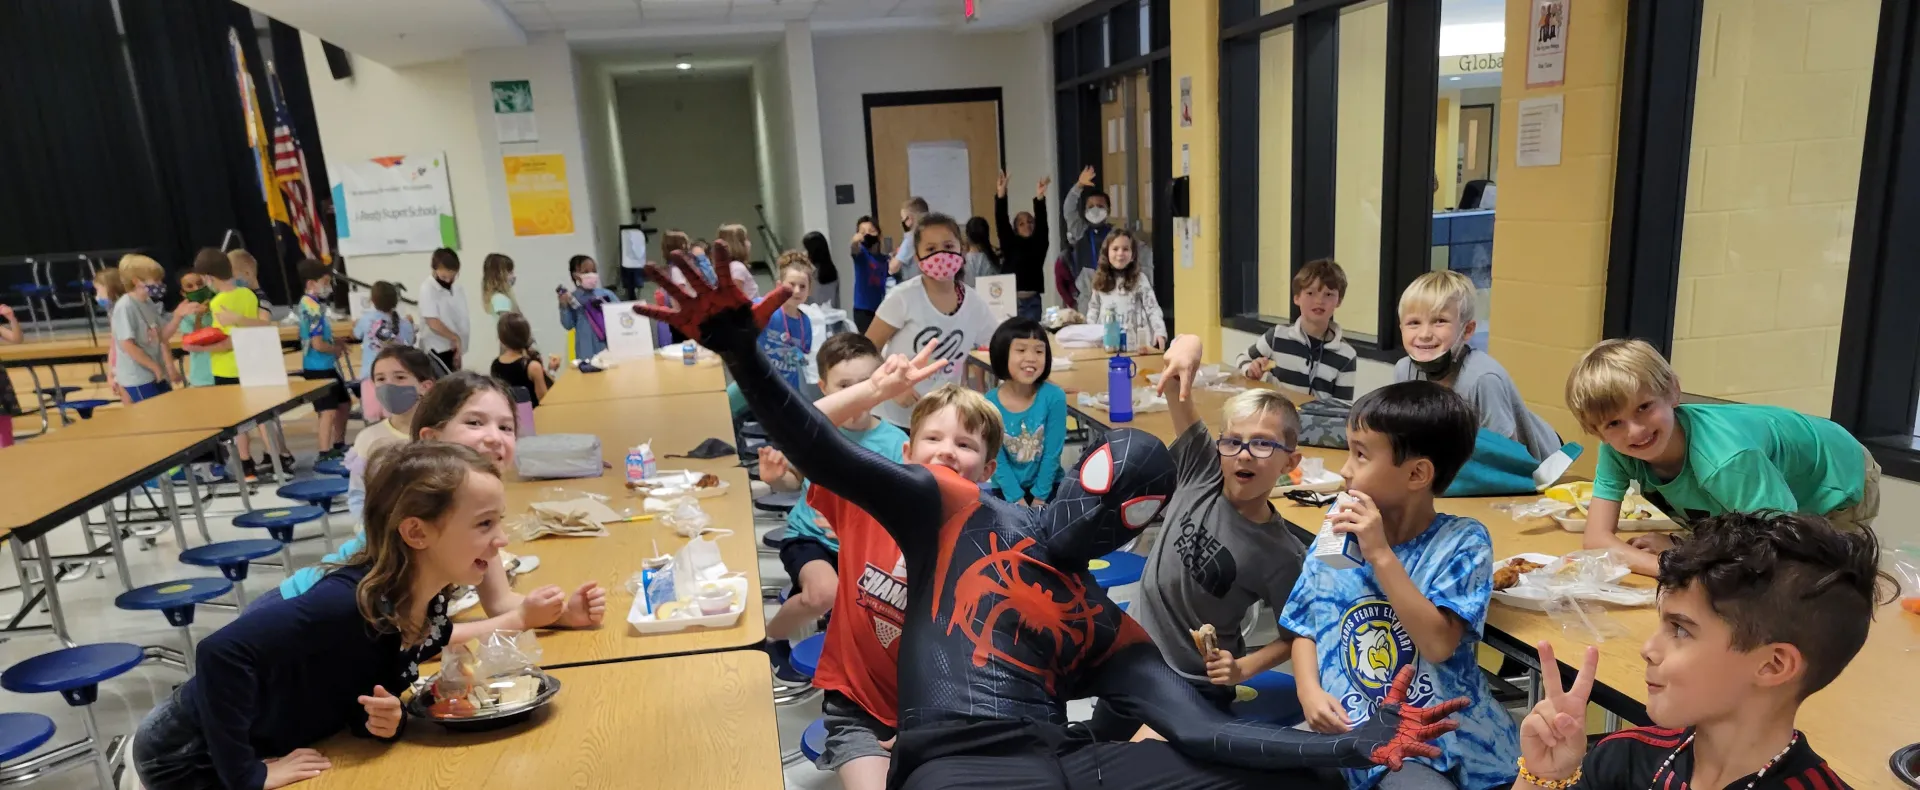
(688, 353)
(1120, 372)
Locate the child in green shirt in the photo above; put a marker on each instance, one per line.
(1694, 461)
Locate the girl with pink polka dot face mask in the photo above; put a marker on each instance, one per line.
(931, 308)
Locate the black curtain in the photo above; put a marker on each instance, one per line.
(78, 175)
(182, 65)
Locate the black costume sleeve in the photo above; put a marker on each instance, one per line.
(1002, 223)
(1138, 683)
(898, 496)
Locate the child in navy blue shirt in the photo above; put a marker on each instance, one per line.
(1033, 411)
(1418, 599)
(869, 273)
(788, 339)
(580, 308)
(279, 679)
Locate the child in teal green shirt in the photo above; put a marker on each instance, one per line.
(1033, 411)
(1698, 460)
(199, 363)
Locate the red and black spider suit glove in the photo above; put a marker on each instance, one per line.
(1003, 622)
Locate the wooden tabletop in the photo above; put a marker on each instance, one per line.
(218, 408)
(673, 423)
(613, 559)
(47, 483)
(693, 721)
(80, 349)
(639, 378)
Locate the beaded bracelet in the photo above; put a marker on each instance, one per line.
(1547, 784)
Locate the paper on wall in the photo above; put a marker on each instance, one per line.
(256, 350)
(1541, 122)
(939, 172)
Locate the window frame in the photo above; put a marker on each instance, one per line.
(1406, 222)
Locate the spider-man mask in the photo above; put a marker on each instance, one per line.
(1118, 488)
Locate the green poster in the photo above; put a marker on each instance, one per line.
(512, 96)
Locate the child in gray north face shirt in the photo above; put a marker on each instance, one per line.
(1223, 546)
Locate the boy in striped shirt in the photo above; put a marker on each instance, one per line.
(1308, 354)
(1757, 612)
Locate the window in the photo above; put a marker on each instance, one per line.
(1323, 108)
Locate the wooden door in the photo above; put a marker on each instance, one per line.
(1476, 143)
(893, 129)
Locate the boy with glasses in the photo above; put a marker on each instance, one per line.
(1223, 546)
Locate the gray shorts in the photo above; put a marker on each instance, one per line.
(852, 733)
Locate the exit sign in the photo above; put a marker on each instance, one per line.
(969, 8)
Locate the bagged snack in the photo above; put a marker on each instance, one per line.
(486, 674)
(1904, 562)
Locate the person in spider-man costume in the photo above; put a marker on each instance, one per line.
(1004, 624)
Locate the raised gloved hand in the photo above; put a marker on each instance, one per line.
(719, 315)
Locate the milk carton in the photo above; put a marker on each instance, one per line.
(1338, 550)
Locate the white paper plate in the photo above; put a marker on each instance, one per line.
(645, 623)
(1661, 524)
(679, 483)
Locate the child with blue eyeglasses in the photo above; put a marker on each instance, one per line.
(1222, 547)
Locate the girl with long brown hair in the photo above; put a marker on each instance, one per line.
(1120, 288)
(496, 284)
(284, 677)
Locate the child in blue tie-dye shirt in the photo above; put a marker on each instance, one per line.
(1419, 598)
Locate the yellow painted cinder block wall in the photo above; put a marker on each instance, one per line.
(1194, 52)
(1779, 120)
(1550, 235)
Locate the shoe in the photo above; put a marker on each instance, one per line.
(287, 463)
(338, 452)
(249, 471)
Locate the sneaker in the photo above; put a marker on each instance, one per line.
(287, 463)
(338, 452)
(249, 470)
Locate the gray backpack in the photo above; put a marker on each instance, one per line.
(1323, 422)
(558, 455)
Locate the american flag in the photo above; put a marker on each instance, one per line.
(290, 175)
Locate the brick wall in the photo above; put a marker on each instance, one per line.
(1779, 115)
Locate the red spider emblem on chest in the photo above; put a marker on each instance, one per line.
(1004, 581)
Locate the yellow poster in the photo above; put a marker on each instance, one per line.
(537, 195)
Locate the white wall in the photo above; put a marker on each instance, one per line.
(603, 165)
(422, 109)
(846, 68)
(689, 151)
(803, 93)
(539, 261)
(774, 153)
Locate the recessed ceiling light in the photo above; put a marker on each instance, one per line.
(683, 66)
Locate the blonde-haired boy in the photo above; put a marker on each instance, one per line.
(1698, 460)
(1436, 321)
(1309, 353)
(1223, 547)
(141, 330)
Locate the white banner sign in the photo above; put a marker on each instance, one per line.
(629, 335)
(1001, 299)
(393, 204)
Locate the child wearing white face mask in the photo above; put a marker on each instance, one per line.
(580, 308)
(932, 307)
(1436, 321)
(1087, 231)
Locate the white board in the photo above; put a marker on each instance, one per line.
(629, 335)
(256, 350)
(939, 172)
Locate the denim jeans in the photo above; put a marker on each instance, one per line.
(169, 750)
(1027, 307)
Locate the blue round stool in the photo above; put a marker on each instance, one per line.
(777, 501)
(772, 540)
(176, 600)
(279, 523)
(330, 466)
(814, 740)
(320, 492)
(806, 655)
(232, 557)
(84, 407)
(1117, 568)
(75, 673)
(21, 733)
(1270, 697)
(1124, 604)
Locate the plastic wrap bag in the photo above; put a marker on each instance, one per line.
(1574, 590)
(1539, 508)
(567, 512)
(1904, 564)
(494, 671)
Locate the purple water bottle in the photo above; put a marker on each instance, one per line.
(1120, 372)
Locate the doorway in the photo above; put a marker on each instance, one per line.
(945, 146)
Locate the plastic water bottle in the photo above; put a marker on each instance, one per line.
(1123, 347)
(1111, 339)
(1120, 372)
(689, 353)
(636, 465)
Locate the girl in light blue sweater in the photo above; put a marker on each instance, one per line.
(1034, 412)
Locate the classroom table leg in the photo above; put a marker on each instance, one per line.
(199, 507)
(119, 549)
(86, 534)
(100, 749)
(173, 509)
(1533, 688)
(52, 585)
(54, 371)
(239, 477)
(326, 524)
(280, 435)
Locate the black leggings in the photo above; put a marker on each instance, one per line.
(861, 318)
(1108, 766)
